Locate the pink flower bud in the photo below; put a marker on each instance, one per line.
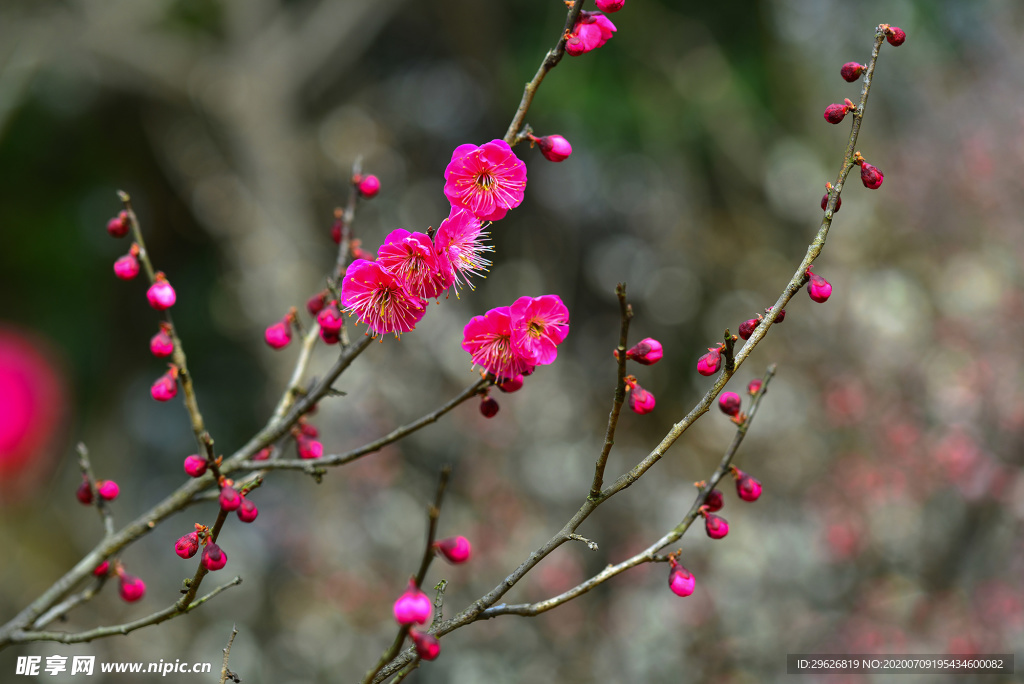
(818, 288)
(412, 607)
(368, 186)
(161, 345)
(247, 512)
(107, 489)
(84, 492)
(870, 176)
(895, 35)
(754, 386)
(488, 407)
(824, 202)
(747, 487)
(513, 385)
(640, 400)
(851, 71)
(187, 546)
(714, 500)
(609, 5)
(166, 386)
(647, 351)
(119, 226)
(279, 334)
(455, 549)
(748, 327)
(308, 448)
(195, 465)
(427, 645)
(127, 267)
(229, 498)
(574, 46)
(263, 454)
(102, 569)
(316, 303)
(160, 294)
(715, 525)
(710, 362)
(835, 113)
(680, 580)
(214, 557)
(554, 148)
(730, 403)
(330, 318)
(132, 588)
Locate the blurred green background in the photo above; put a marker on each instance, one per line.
(889, 445)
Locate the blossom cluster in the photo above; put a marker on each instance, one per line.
(390, 293)
(511, 341)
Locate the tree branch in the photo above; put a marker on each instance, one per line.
(626, 314)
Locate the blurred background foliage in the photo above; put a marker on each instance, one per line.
(889, 444)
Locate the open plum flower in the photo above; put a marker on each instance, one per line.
(487, 180)
(411, 258)
(460, 243)
(539, 324)
(379, 299)
(512, 340)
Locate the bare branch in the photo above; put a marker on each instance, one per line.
(626, 314)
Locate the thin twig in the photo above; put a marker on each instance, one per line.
(201, 571)
(551, 59)
(433, 513)
(224, 671)
(101, 504)
(376, 445)
(347, 217)
(178, 355)
(67, 604)
(172, 611)
(625, 314)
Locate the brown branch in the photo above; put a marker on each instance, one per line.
(551, 59)
(472, 612)
(626, 314)
(225, 673)
(347, 217)
(67, 604)
(172, 611)
(347, 457)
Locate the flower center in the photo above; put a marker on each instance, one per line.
(485, 181)
(536, 330)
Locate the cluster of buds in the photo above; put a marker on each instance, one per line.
(105, 489)
(747, 488)
(306, 444)
(231, 499)
(748, 326)
(646, 352)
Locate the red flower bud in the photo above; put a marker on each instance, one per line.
(132, 588)
(851, 71)
(716, 526)
(119, 226)
(247, 512)
(870, 176)
(368, 186)
(413, 606)
(214, 557)
(455, 549)
(895, 35)
(84, 492)
(554, 147)
(835, 113)
(824, 202)
(229, 498)
(160, 294)
(647, 351)
(710, 362)
(714, 500)
(195, 465)
(488, 407)
(818, 288)
(730, 403)
(187, 546)
(680, 580)
(107, 489)
(427, 645)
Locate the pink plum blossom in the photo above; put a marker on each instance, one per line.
(410, 257)
(460, 243)
(487, 180)
(539, 325)
(378, 299)
(488, 339)
(592, 30)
